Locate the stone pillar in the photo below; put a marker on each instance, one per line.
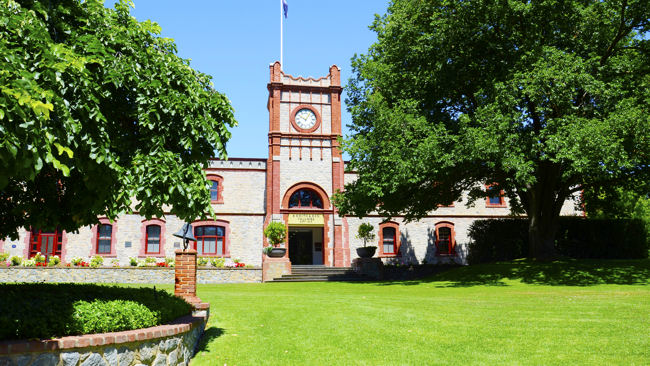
(185, 278)
(275, 267)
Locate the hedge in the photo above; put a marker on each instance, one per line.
(577, 237)
(56, 310)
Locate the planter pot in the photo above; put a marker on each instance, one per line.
(366, 252)
(277, 252)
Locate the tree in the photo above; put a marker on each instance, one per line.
(98, 116)
(540, 99)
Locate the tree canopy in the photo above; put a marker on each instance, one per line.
(98, 116)
(541, 99)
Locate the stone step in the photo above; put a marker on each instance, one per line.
(311, 279)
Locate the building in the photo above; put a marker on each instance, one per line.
(294, 184)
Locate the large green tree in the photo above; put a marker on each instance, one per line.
(539, 98)
(98, 115)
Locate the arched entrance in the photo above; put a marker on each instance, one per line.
(306, 206)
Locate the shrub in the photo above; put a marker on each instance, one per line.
(115, 262)
(150, 261)
(217, 262)
(275, 232)
(96, 261)
(54, 261)
(507, 239)
(4, 257)
(56, 310)
(29, 263)
(39, 258)
(133, 261)
(202, 261)
(16, 260)
(365, 233)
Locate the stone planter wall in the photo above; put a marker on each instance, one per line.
(171, 344)
(125, 275)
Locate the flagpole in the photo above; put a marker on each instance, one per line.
(281, 21)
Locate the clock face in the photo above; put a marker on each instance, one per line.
(305, 118)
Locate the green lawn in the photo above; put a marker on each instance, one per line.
(587, 312)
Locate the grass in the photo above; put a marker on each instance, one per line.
(571, 312)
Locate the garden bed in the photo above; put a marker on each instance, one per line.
(57, 310)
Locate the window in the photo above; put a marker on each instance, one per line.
(445, 244)
(48, 242)
(495, 197)
(210, 240)
(389, 242)
(104, 236)
(214, 191)
(216, 188)
(388, 234)
(153, 239)
(305, 198)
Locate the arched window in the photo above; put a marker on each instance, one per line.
(389, 239)
(445, 243)
(210, 240)
(305, 198)
(495, 197)
(153, 239)
(216, 188)
(104, 238)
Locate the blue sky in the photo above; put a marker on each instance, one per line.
(235, 41)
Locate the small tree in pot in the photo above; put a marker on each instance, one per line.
(366, 233)
(275, 232)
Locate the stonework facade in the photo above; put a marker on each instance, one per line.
(294, 185)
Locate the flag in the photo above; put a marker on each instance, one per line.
(285, 7)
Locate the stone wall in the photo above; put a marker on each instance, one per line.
(171, 344)
(124, 275)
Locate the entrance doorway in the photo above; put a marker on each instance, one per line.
(306, 245)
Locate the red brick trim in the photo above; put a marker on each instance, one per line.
(452, 239)
(93, 242)
(292, 118)
(181, 325)
(301, 185)
(143, 238)
(219, 180)
(380, 251)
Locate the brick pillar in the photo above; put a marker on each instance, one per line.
(185, 278)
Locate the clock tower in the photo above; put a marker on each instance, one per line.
(305, 166)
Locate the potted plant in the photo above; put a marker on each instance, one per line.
(366, 234)
(275, 232)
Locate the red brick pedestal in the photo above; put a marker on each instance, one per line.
(275, 267)
(185, 279)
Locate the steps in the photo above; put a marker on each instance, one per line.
(314, 273)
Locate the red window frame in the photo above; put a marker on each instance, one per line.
(146, 240)
(488, 203)
(213, 178)
(36, 242)
(451, 242)
(201, 239)
(396, 239)
(99, 237)
(313, 194)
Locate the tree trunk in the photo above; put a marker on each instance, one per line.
(544, 203)
(541, 236)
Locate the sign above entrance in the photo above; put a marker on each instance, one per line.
(306, 220)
